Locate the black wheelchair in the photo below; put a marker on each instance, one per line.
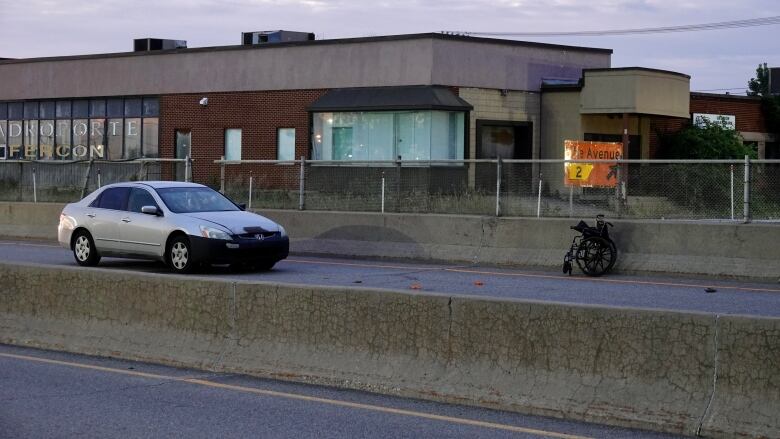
(592, 249)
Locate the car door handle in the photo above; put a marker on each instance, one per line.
(125, 220)
(91, 215)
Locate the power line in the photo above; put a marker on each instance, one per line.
(753, 22)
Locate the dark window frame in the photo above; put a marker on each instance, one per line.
(20, 105)
(505, 123)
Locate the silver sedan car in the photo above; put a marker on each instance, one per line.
(185, 225)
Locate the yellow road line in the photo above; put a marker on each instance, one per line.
(543, 276)
(295, 396)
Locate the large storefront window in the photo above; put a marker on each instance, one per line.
(413, 135)
(3, 139)
(15, 140)
(79, 130)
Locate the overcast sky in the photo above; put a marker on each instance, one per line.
(720, 59)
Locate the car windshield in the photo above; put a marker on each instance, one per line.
(195, 199)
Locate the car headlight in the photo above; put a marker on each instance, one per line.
(212, 233)
(282, 232)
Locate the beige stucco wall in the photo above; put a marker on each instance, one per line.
(393, 61)
(516, 106)
(561, 120)
(635, 91)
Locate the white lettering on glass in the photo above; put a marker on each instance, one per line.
(49, 126)
(80, 151)
(80, 129)
(132, 128)
(18, 126)
(97, 128)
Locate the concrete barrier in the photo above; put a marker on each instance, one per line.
(30, 220)
(727, 250)
(668, 371)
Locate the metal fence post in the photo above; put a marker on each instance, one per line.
(222, 174)
(249, 201)
(302, 185)
(539, 198)
(35, 188)
(498, 186)
(746, 212)
(732, 192)
(398, 184)
(86, 177)
(619, 189)
(20, 195)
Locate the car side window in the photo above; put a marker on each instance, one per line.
(114, 198)
(95, 202)
(138, 199)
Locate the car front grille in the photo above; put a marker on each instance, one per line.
(258, 235)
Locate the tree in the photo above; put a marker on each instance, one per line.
(705, 140)
(759, 86)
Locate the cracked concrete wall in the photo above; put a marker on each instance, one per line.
(731, 250)
(747, 383)
(668, 371)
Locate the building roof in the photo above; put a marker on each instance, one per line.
(698, 94)
(430, 35)
(390, 98)
(643, 69)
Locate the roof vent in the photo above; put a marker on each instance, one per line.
(274, 36)
(151, 44)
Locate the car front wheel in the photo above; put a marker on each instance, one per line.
(180, 257)
(84, 249)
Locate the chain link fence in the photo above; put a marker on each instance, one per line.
(63, 182)
(643, 189)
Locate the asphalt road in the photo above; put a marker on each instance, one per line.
(656, 292)
(56, 395)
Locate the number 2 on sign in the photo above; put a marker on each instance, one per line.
(580, 171)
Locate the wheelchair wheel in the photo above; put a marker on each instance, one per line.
(596, 255)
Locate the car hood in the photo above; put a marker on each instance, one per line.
(236, 221)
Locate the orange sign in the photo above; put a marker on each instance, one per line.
(592, 174)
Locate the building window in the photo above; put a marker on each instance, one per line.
(505, 139)
(285, 148)
(3, 139)
(385, 135)
(113, 129)
(233, 144)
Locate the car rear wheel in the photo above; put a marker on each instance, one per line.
(180, 257)
(84, 249)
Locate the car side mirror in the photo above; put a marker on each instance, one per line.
(150, 210)
(242, 206)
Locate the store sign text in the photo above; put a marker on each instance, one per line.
(88, 138)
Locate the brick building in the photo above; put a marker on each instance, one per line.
(421, 97)
(743, 111)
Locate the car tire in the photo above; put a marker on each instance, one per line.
(84, 250)
(265, 265)
(179, 255)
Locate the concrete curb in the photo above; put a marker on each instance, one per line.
(662, 370)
